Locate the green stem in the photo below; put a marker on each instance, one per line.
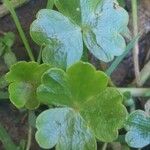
(15, 3)
(145, 73)
(118, 60)
(6, 140)
(104, 146)
(136, 48)
(29, 135)
(136, 92)
(9, 6)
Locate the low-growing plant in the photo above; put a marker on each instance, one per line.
(83, 105)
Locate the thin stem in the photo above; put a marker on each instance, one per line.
(9, 6)
(40, 55)
(29, 135)
(136, 92)
(145, 73)
(104, 146)
(15, 3)
(136, 48)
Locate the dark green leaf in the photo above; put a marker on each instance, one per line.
(122, 2)
(70, 9)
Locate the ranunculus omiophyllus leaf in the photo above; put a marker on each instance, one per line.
(64, 128)
(138, 126)
(100, 23)
(85, 90)
(24, 78)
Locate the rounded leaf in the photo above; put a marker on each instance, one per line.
(138, 127)
(64, 128)
(24, 78)
(64, 37)
(85, 90)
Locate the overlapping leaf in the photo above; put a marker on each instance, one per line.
(24, 78)
(101, 23)
(65, 39)
(138, 126)
(64, 128)
(85, 90)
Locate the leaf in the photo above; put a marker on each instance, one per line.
(105, 114)
(50, 4)
(70, 9)
(9, 39)
(10, 58)
(138, 127)
(122, 2)
(25, 77)
(52, 28)
(103, 23)
(64, 128)
(85, 90)
(103, 31)
(100, 23)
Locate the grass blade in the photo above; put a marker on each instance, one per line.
(117, 61)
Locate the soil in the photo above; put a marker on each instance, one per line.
(15, 121)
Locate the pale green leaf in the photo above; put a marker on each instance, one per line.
(64, 128)
(101, 24)
(52, 28)
(103, 31)
(138, 126)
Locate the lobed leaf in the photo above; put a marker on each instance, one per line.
(64, 128)
(85, 90)
(24, 78)
(100, 23)
(64, 37)
(138, 126)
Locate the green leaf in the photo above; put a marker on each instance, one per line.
(65, 39)
(10, 58)
(138, 126)
(70, 9)
(101, 24)
(25, 77)
(103, 30)
(64, 128)
(122, 2)
(105, 114)
(50, 4)
(8, 39)
(85, 90)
